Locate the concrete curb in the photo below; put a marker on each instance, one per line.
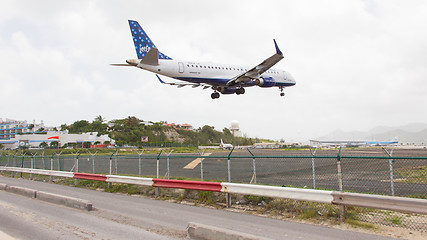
(64, 200)
(199, 231)
(49, 197)
(31, 193)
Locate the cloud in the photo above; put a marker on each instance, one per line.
(358, 64)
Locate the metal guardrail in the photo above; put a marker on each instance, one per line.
(399, 204)
(311, 195)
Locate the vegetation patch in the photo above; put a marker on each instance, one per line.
(413, 174)
(394, 220)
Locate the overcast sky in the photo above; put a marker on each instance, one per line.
(358, 64)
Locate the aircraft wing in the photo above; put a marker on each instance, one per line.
(180, 85)
(257, 71)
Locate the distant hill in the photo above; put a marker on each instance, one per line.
(415, 133)
(131, 131)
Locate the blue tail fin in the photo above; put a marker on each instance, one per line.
(142, 42)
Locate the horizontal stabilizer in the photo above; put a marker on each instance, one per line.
(121, 64)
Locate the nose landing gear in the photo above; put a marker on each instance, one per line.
(282, 94)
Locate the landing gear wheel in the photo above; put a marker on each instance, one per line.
(240, 91)
(215, 95)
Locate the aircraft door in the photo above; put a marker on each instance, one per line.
(181, 67)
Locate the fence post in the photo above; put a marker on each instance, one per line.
(22, 162)
(44, 164)
(340, 184)
(8, 159)
(32, 164)
(14, 164)
(111, 167)
(201, 164)
(116, 169)
(139, 163)
(313, 166)
(76, 180)
(390, 164)
(167, 163)
(253, 180)
(59, 161)
(229, 178)
(157, 192)
(51, 167)
(93, 160)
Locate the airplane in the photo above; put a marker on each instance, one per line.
(393, 141)
(221, 78)
(225, 146)
(356, 143)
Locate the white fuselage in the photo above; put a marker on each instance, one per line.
(211, 73)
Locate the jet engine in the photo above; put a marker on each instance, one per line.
(265, 82)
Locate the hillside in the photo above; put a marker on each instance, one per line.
(413, 133)
(129, 131)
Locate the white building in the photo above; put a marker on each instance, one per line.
(10, 128)
(62, 137)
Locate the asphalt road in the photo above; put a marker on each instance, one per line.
(119, 216)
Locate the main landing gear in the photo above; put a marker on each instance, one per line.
(240, 91)
(215, 95)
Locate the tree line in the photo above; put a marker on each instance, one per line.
(131, 130)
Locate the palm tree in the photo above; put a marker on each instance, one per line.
(100, 119)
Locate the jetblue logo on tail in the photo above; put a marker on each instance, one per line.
(142, 42)
(145, 49)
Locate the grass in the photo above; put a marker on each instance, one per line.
(418, 195)
(206, 197)
(394, 220)
(256, 200)
(413, 174)
(359, 224)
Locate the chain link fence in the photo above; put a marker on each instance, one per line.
(372, 171)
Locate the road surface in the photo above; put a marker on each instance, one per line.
(118, 216)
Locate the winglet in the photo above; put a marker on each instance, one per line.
(159, 79)
(277, 48)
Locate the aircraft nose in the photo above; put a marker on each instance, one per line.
(290, 78)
